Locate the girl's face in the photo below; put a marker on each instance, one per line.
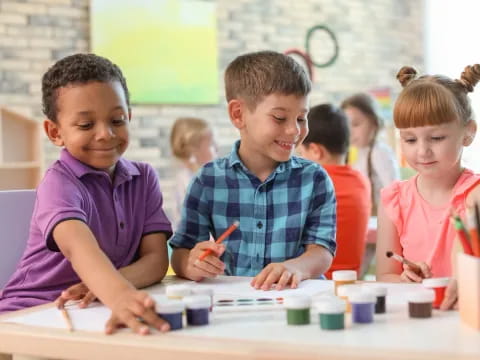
(206, 150)
(436, 150)
(362, 128)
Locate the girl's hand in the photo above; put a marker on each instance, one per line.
(209, 267)
(136, 310)
(77, 292)
(413, 275)
(281, 274)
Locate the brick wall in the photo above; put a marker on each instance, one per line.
(376, 38)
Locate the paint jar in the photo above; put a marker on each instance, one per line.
(380, 293)
(331, 313)
(204, 291)
(198, 307)
(343, 277)
(420, 303)
(298, 310)
(177, 291)
(171, 311)
(345, 291)
(363, 306)
(439, 285)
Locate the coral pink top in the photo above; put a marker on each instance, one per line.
(425, 231)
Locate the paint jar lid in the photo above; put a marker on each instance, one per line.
(297, 302)
(197, 301)
(330, 306)
(361, 297)
(323, 296)
(347, 290)
(344, 275)
(202, 291)
(375, 289)
(435, 282)
(169, 307)
(179, 290)
(421, 296)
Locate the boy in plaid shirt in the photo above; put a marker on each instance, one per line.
(285, 205)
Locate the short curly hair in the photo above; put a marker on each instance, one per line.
(77, 69)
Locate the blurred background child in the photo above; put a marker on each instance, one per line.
(327, 144)
(193, 145)
(375, 159)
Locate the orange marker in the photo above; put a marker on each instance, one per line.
(462, 233)
(222, 237)
(473, 225)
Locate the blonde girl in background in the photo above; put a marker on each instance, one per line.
(435, 120)
(375, 159)
(193, 145)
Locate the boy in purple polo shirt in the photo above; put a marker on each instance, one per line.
(98, 229)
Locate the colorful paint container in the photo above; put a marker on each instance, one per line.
(343, 277)
(177, 291)
(439, 285)
(380, 293)
(331, 313)
(345, 291)
(171, 311)
(198, 307)
(204, 291)
(298, 310)
(420, 303)
(363, 306)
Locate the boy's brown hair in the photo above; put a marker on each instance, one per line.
(434, 99)
(253, 76)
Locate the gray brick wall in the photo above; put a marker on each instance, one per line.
(376, 38)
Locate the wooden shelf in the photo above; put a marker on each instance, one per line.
(20, 151)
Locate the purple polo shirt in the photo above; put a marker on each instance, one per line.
(118, 214)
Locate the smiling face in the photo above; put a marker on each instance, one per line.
(92, 123)
(271, 132)
(435, 150)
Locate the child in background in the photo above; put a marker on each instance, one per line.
(375, 158)
(98, 229)
(193, 144)
(327, 144)
(435, 120)
(285, 205)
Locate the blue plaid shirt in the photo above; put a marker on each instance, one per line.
(295, 206)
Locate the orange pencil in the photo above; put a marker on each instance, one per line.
(222, 237)
(462, 233)
(473, 225)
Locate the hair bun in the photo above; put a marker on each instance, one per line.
(406, 74)
(470, 77)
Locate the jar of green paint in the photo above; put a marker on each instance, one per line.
(298, 310)
(331, 313)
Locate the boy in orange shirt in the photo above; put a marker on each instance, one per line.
(327, 144)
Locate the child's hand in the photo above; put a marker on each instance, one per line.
(76, 292)
(136, 310)
(411, 275)
(451, 296)
(280, 273)
(209, 267)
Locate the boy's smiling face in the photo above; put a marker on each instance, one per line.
(270, 132)
(92, 125)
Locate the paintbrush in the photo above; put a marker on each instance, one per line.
(403, 260)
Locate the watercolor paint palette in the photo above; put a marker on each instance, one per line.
(231, 304)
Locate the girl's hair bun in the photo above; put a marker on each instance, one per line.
(470, 77)
(406, 74)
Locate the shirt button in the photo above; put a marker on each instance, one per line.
(259, 225)
(122, 225)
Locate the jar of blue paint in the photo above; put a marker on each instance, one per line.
(331, 313)
(204, 291)
(198, 308)
(363, 305)
(171, 311)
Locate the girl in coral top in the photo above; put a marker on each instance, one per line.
(435, 120)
